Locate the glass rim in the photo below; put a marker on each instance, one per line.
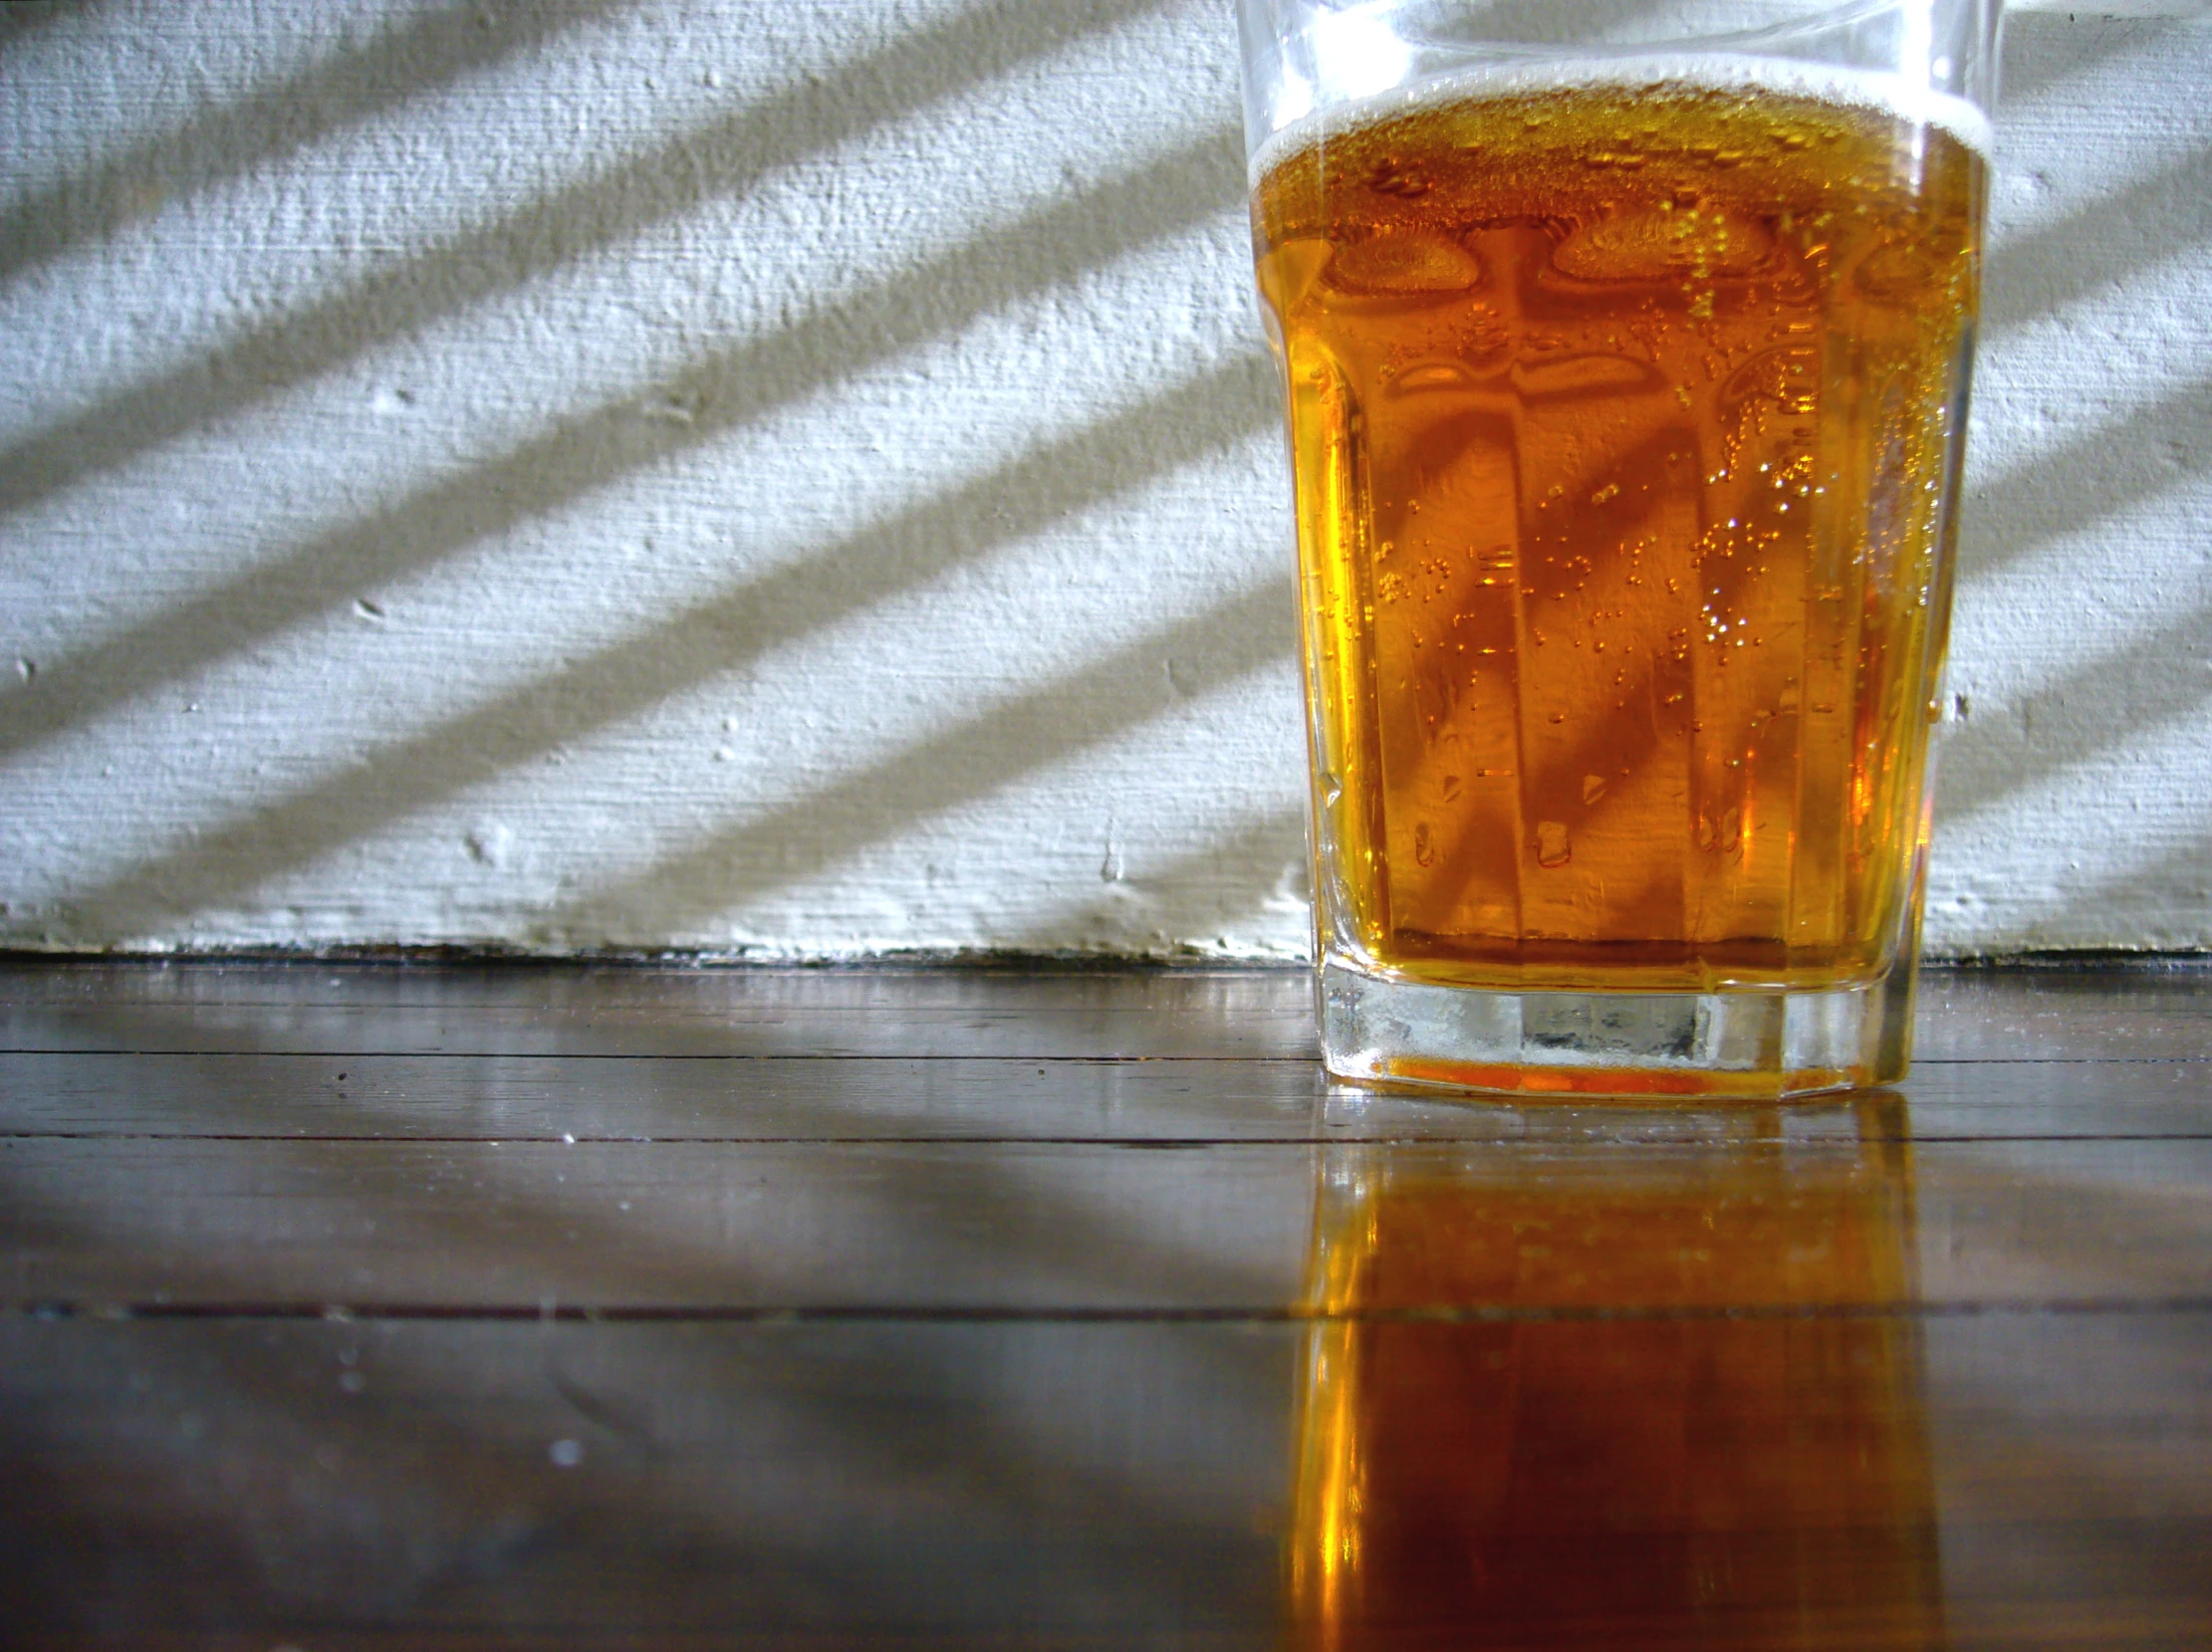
(1433, 42)
(1815, 17)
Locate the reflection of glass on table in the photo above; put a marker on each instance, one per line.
(1592, 1402)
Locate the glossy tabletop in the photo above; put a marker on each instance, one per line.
(444, 1308)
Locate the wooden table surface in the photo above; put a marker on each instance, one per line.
(442, 1308)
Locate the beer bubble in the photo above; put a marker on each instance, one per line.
(1395, 178)
(1902, 273)
(1593, 788)
(1587, 373)
(1451, 786)
(1434, 375)
(1553, 849)
(1703, 241)
(1424, 845)
(1789, 377)
(1405, 262)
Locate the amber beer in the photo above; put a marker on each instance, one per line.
(1624, 419)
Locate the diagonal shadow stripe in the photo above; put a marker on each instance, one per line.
(1629, 742)
(1003, 1461)
(22, 17)
(815, 115)
(557, 467)
(404, 62)
(2162, 678)
(2166, 878)
(2154, 218)
(2099, 473)
(1211, 413)
(1034, 1223)
(1532, 21)
(1982, 762)
(1232, 877)
(2043, 49)
(1208, 649)
(1050, 247)
(721, 1431)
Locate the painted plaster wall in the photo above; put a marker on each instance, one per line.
(801, 479)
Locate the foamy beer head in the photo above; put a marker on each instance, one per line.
(1625, 401)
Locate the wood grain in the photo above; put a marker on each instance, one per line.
(1242, 1014)
(1042, 1309)
(1014, 1483)
(659, 1013)
(998, 1226)
(890, 1099)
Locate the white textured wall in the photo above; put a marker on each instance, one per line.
(2074, 792)
(800, 478)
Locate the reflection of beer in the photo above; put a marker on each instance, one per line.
(1607, 1452)
(1623, 425)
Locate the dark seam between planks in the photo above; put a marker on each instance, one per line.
(1627, 1138)
(56, 1310)
(979, 964)
(262, 1052)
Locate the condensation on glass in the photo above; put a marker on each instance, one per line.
(1626, 391)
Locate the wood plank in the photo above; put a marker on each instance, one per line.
(2074, 1485)
(2058, 1098)
(711, 1098)
(2153, 1013)
(346, 1009)
(731, 1098)
(1010, 1227)
(1984, 1485)
(1905, 1371)
(372, 1484)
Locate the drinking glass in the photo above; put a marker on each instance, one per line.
(1624, 351)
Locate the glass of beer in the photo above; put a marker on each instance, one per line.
(1625, 348)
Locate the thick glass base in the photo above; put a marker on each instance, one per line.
(1745, 1044)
